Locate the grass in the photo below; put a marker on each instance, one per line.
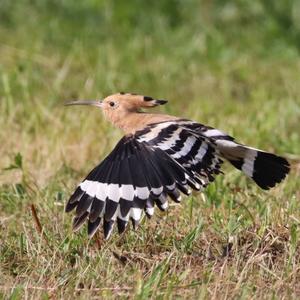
(233, 65)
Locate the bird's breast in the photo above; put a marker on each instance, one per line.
(130, 123)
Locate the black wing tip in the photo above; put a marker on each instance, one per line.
(70, 206)
(93, 227)
(107, 228)
(79, 221)
(121, 225)
(74, 199)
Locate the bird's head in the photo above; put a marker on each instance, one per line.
(118, 108)
(121, 103)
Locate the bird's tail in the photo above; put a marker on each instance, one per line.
(266, 169)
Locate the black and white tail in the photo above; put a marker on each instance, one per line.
(266, 169)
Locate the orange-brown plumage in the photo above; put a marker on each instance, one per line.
(125, 111)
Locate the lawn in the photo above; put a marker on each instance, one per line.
(233, 65)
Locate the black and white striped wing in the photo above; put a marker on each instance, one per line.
(133, 178)
(183, 141)
(200, 149)
(264, 168)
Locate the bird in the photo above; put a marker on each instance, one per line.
(160, 157)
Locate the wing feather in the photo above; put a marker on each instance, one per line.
(131, 179)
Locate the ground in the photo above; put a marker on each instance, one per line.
(233, 65)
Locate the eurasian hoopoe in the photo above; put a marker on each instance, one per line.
(159, 156)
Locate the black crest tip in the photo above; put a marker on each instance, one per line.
(161, 102)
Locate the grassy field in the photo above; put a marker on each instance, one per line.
(233, 65)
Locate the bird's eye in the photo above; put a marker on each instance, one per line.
(112, 104)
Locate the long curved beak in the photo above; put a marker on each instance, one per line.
(85, 102)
